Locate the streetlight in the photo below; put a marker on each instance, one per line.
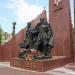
(13, 32)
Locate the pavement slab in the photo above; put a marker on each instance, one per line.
(6, 69)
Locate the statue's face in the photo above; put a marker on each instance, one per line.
(28, 25)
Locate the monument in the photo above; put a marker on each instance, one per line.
(35, 50)
(60, 19)
(38, 39)
(36, 47)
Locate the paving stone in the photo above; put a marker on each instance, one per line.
(5, 69)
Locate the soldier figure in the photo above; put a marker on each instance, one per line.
(39, 38)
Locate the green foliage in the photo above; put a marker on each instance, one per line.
(4, 36)
(0, 35)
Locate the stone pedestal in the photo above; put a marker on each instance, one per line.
(40, 65)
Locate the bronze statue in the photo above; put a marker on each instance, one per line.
(40, 39)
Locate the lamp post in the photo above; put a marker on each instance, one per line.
(13, 32)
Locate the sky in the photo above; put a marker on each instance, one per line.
(21, 12)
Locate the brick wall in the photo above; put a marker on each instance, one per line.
(1, 55)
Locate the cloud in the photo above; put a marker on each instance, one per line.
(9, 5)
(4, 19)
(24, 11)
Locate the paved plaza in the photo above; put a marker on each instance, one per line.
(5, 69)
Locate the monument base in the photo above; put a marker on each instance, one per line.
(40, 65)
